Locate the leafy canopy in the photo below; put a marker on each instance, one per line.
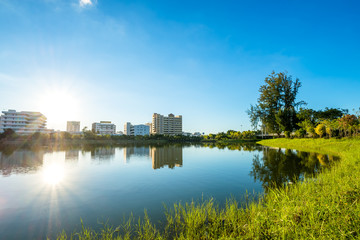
(276, 107)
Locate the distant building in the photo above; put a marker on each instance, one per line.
(170, 125)
(73, 127)
(150, 126)
(23, 122)
(104, 128)
(186, 134)
(136, 130)
(127, 128)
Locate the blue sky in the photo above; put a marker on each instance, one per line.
(124, 60)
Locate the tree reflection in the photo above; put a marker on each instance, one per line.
(234, 146)
(21, 161)
(278, 167)
(102, 153)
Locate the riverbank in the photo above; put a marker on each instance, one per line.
(325, 207)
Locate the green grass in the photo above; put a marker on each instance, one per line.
(325, 207)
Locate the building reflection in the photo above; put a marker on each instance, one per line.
(170, 156)
(103, 153)
(142, 151)
(21, 161)
(72, 155)
(164, 155)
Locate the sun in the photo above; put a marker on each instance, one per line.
(58, 105)
(53, 174)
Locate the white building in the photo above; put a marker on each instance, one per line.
(73, 127)
(136, 130)
(104, 128)
(23, 122)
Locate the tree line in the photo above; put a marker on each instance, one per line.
(278, 111)
(230, 135)
(11, 135)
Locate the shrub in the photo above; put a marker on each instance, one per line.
(320, 130)
(300, 133)
(287, 134)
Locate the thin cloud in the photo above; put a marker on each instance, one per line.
(84, 3)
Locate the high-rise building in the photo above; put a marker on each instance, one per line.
(127, 128)
(104, 128)
(73, 127)
(170, 125)
(136, 130)
(23, 122)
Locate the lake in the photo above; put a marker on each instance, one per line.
(44, 191)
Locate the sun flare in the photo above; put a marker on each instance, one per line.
(53, 174)
(59, 106)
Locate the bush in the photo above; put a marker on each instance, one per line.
(287, 134)
(300, 133)
(320, 130)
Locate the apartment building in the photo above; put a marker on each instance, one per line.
(170, 125)
(104, 128)
(23, 122)
(73, 126)
(136, 130)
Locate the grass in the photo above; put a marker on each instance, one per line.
(325, 207)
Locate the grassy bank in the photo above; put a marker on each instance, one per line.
(326, 207)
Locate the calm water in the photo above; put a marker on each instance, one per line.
(45, 191)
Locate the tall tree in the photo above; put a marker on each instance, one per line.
(276, 107)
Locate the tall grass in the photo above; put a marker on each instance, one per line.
(325, 207)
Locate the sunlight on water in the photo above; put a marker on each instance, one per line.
(53, 174)
(53, 171)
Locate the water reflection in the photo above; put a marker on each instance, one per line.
(171, 156)
(21, 161)
(53, 173)
(274, 167)
(72, 155)
(103, 153)
(161, 156)
(139, 151)
(235, 146)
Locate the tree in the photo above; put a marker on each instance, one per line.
(276, 107)
(320, 129)
(8, 133)
(331, 113)
(320, 115)
(308, 126)
(347, 123)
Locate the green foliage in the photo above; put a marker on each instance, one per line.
(276, 106)
(308, 126)
(8, 134)
(348, 124)
(287, 134)
(320, 130)
(231, 135)
(320, 115)
(300, 133)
